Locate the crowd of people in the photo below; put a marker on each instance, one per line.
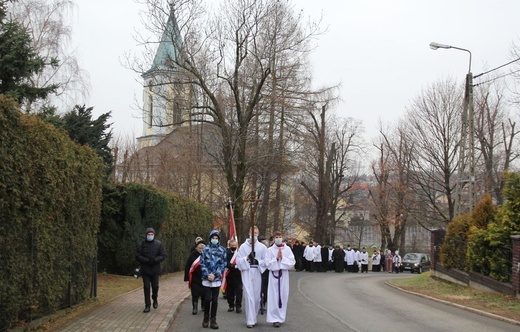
(255, 273)
(313, 257)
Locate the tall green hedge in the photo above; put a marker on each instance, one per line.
(50, 203)
(128, 209)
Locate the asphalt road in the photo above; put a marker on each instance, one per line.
(331, 301)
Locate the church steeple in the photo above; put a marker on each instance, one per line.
(161, 107)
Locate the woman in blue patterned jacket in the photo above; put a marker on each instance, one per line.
(212, 264)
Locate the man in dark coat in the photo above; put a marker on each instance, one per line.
(150, 253)
(193, 275)
(324, 266)
(234, 288)
(298, 255)
(338, 257)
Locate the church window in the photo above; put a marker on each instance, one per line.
(150, 110)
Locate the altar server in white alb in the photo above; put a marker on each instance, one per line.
(249, 262)
(279, 259)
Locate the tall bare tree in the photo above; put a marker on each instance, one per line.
(49, 25)
(392, 195)
(496, 133)
(226, 57)
(330, 170)
(434, 127)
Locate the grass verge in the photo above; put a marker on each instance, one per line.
(495, 303)
(110, 286)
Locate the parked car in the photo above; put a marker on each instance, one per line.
(416, 262)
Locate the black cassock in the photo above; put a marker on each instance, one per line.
(339, 259)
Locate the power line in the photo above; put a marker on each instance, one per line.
(498, 77)
(489, 71)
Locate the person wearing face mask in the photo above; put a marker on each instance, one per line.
(279, 259)
(212, 265)
(193, 275)
(150, 253)
(233, 279)
(250, 266)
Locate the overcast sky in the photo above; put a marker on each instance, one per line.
(378, 51)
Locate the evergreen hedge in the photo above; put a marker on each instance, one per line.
(50, 203)
(488, 246)
(128, 209)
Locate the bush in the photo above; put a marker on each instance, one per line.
(50, 203)
(487, 246)
(454, 247)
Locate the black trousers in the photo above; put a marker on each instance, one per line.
(211, 301)
(234, 293)
(153, 281)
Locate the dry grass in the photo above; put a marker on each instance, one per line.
(110, 286)
(495, 303)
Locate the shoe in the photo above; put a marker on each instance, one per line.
(155, 304)
(249, 326)
(205, 322)
(146, 308)
(231, 309)
(239, 310)
(213, 323)
(276, 324)
(195, 309)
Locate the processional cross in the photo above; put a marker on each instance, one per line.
(252, 200)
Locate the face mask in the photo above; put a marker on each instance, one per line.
(149, 237)
(278, 241)
(232, 249)
(256, 237)
(214, 241)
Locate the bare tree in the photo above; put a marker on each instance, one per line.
(434, 119)
(392, 195)
(47, 22)
(223, 58)
(328, 165)
(496, 134)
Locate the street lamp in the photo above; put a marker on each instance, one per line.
(330, 226)
(468, 129)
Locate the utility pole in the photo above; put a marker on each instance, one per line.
(467, 138)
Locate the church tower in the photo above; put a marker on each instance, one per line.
(163, 100)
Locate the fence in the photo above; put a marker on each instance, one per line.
(477, 280)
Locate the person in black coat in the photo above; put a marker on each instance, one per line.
(150, 253)
(234, 289)
(339, 259)
(324, 266)
(298, 255)
(195, 284)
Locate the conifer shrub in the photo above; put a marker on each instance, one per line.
(488, 247)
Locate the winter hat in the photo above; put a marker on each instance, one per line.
(150, 230)
(214, 232)
(198, 239)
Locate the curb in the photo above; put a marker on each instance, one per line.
(172, 314)
(476, 311)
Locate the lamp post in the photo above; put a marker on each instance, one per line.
(330, 226)
(468, 131)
